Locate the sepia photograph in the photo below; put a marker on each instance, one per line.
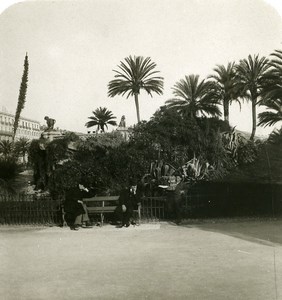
(141, 149)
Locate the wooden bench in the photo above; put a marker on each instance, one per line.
(105, 204)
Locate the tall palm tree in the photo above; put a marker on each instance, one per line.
(226, 86)
(22, 96)
(194, 97)
(6, 149)
(250, 77)
(102, 118)
(133, 75)
(22, 147)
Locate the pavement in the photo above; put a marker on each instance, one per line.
(217, 261)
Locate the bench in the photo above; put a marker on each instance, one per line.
(105, 204)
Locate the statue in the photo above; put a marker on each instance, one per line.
(122, 122)
(50, 123)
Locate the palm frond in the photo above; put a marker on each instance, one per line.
(135, 73)
(269, 118)
(194, 97)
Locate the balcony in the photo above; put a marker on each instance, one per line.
(5, 133)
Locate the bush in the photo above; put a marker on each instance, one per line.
(276, 137)
(8, 168)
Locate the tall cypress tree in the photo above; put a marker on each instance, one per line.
(22, 96)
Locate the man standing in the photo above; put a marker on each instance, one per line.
(129, 200)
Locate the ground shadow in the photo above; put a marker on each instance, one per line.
(262, 231)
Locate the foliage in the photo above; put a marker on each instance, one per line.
(38, 160)
(269, 118)
(250, 76)
(103, 163)
(194, 98)
(272, 89)
(272, 92)
(241, 150)
(195, 170)
(225, 86)
(170, 144)
(276, 137)
(6, 186)
(8, 168)
(135, 74)
(160, 173)
(64, 177)
(6, 149)
(102, 117)
(71, 136)
(21, 148)
(176, 139)
(179, 140)
(22, 95)
(99, 144)
(46, 156)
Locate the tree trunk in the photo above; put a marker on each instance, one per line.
(137, 107)
(226, 111)
(24, 160)
(254, 117)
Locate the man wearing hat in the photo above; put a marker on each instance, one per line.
(129, 199)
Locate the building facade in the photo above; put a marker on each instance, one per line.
(27, 128)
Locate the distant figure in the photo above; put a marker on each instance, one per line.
(50, 123)
(122, 122)
(177, 199)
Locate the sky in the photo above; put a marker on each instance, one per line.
(73, 47)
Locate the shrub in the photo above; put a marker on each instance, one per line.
(8, 168)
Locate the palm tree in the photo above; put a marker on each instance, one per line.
(6, 149)
(22, 147)
(272, 92)
(22, 96)
(194, 97)
(269, 118)
(273, 88)
(134, 74)
(250, 80)
(226, 86)
(102, 118)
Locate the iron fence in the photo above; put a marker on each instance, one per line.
(153, 208)
(28, 209)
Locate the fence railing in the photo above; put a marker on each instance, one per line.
(27, 209)
(153, 208)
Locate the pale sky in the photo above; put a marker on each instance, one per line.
(73, 46)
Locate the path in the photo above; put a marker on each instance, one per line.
(148, 262)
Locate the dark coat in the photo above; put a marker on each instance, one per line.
(71, 206)
(129, 199)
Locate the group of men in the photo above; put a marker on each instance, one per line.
(75, 211)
